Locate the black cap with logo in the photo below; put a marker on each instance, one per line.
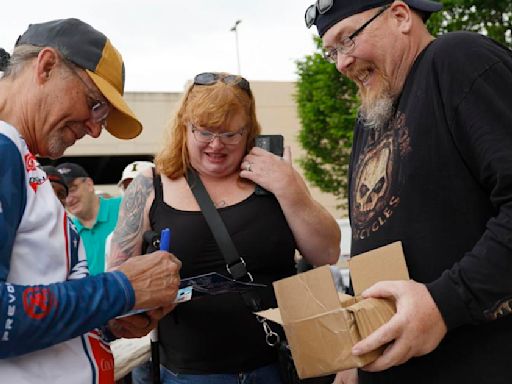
(71, 171)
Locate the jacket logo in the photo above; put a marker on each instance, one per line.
(38, 302)
(30, 162)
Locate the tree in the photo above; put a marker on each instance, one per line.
(327, 106)
(489, 17)
(327, 102)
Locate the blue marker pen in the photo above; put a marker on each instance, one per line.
(165, 239)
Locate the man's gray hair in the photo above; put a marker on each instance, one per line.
(21, 55)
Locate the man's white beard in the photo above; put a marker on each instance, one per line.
(375, 114)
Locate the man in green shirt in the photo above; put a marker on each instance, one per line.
(94, 217)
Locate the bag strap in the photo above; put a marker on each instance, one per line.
(157, 186)
(235, 264)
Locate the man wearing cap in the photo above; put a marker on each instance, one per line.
(95, 217)
(431, 166)
(131, 171)
(57, 181)
(64, 81)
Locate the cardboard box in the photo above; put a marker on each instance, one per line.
(322, 325)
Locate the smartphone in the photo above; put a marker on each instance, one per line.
(273, 144)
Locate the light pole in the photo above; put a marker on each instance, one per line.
(234, 29)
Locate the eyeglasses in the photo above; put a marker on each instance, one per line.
(210, 78)
(321, 6)
(100, 109)
(347, 44)
(228, 138)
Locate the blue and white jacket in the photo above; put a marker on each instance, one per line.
(49, 305)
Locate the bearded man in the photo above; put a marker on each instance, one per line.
(431, 167)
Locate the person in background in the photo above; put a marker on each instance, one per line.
(431, 166)
(94, 216)
(218, 339)
(57, 181)
(131, 171)
(63, 81)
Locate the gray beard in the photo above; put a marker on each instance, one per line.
(378, 113)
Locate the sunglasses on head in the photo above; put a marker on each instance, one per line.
(319, 7)
(210, 78)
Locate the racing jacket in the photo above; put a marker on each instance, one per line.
(49, 305)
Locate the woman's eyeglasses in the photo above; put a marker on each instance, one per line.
(210, 78)
(228, 138)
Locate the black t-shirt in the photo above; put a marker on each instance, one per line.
(220, 334)
(439, 178)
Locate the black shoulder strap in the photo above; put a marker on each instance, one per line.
(234, 263)
(157, 186)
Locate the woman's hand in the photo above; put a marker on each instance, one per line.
(274, 173)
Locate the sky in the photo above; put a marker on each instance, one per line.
(165, 43)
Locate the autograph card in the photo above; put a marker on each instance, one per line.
(212, 283)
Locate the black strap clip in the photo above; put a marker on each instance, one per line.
(239, 271)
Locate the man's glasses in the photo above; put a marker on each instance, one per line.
(228, 138)
(100, 109)
(210, 78)
(347, 44)
(321, 6)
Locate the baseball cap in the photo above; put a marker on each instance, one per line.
(91, 50)
(338, 10)
(133, 169)
(71, 171)
(54, 175)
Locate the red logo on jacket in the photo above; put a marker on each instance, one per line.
(34, 179)
(38, 302)
(30, 162)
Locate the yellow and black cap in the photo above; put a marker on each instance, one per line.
(91, 50)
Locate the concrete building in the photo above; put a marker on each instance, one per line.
(276, 111)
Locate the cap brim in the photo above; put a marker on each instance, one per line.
(121, 122)
(120, 182)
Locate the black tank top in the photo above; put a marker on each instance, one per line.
(219, 334)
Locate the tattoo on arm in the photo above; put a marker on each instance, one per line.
(127, 238)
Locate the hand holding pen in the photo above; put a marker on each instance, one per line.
(155, 279)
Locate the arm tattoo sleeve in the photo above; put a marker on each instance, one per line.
(127, 238)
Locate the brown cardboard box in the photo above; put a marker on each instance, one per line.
(322, 325)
